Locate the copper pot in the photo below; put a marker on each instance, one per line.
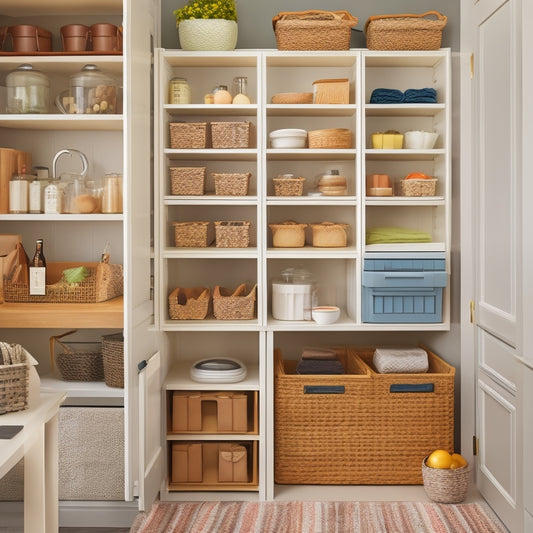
(75, 37)
(106, 37)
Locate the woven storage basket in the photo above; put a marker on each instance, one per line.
(187, 181)
(231, 184)
(330, 138)
(230, 134)
(329, 234)
(446, 485)
(232, 233)
(79, 361)
(405, 32)
(189, 304)
(113, 359)
(234, 305)
(105, 282)
(288, 234)
(197, 234)
(14, 378)
(331, 91)
(288, 186)
(414, 187)
(313, 30)
(188, 135)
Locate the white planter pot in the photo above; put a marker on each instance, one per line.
(208, 34)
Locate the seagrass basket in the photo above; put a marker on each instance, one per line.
(446, 485)
(187, 181)
(230, 134)
(231, 184)
(188, 135)
(405, 31)
(421, 187)
(195, 234)
(14, 378)
(329, 234)
(288, 185)
(313, 30)
(330, 138)
(189, 303)
(113, 359)
(234, 305)
(232, 233)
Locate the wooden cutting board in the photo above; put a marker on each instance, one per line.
(11, 161)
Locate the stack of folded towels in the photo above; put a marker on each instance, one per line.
(401, 360)
(395, 235)
(319, 361)
(427, 95)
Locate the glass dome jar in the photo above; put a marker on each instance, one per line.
(28, 90)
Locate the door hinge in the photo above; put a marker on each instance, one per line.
(475, 445)
(472, 66)
(472, 312)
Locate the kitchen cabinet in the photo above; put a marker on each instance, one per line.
(337, 270)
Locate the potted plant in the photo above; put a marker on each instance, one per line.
(207, 25)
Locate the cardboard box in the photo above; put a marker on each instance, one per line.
(186, 463)
(232, 463)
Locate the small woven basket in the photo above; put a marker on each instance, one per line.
(230, 134)
(285, 186)
(405, 32)
(330, 138)
(196, 234)
(231, 184)
(313, 30)
(232, 234)
(414, 187)
(79, 361)
(288, 234)
(188, 135)
(14, 380)
(189, 304)
(113, 359)
(187, 181)
(329, 234)
(446, 485)
(236, 305)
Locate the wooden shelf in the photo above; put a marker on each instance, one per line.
(108, 314)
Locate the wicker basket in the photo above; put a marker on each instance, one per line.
(79, 361)
(234, 305)
(113, 359)
(231, 184)
(230, 134)
(405, 32)
(288, 186)
(104, 282)
(188, 135)
(331, 91)
(14, 378)
(330, 138)
(313, 30)
(187, 181)
(329, 234)
(196, 234)
(232, 234)
(414, 187)
(292, 98)
(288, 234)
(446, 485)
(189, 304)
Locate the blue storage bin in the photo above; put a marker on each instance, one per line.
(403, 289)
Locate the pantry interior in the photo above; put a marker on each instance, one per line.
(141, 238)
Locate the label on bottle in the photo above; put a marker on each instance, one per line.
(37, 277)
(35, 197)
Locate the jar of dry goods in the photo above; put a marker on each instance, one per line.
(179, 91)
(28, 90)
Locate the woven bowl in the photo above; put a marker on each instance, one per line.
(293, 98)
(445, 485)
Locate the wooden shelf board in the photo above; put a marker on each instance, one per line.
(311, 110)
(403, 110)
(211, 109)
(312, 200)
(108, 314)
(63, 122)
(307, 154)
(15, 8)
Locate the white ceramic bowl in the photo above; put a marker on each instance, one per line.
(420, 140)
(288, 138)
(325, 314)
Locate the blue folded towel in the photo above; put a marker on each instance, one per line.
(386, 96)
(428, 95)
(316, 366)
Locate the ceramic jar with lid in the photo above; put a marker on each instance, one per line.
(294, 294)
(28, 90)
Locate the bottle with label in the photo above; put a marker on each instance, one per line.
(37, 270)
(34, 196)
(52, 198)
(18, 192)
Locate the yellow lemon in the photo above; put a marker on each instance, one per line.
(439, 459)
(458, 461)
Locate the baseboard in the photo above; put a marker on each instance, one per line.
(97, 513)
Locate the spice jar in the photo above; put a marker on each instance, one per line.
(179, 91)
(112, 193)
(28, 90)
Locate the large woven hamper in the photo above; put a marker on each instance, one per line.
(113, 359)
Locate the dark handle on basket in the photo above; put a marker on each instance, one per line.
(412, 387)
(323, 389)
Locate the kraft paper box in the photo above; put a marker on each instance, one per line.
(232, 463)
(187, 463)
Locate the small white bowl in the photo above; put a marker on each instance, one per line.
(325, 314)
(420, 140)
(288, 138)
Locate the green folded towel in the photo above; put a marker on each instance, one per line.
(392, 235)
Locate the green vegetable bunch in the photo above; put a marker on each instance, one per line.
(76, 274)
(207, 9)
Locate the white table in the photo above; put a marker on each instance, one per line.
(37, 443)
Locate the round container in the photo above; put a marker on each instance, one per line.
(179, 91)
(294, 294)
(28, 90)
(106, 37)
(288, 138)
(325, 314)
(332, 184)
(74, 37)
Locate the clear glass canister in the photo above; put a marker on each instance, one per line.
(28, 90)
(179, 91)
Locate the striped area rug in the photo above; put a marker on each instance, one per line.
(317, 517)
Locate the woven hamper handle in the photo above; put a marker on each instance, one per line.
(324, 389)
(439, 16)
(313, 13)
(53, 341)
(412, 387)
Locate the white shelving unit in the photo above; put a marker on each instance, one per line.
(338, 270)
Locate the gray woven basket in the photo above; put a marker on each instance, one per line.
(444, 485)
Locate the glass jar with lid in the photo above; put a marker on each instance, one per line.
(28, 90)
(179, 91)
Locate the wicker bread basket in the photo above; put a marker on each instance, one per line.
(288, 234)
(405, 32)
(313, 30)
(14, 378)
(446, 485)
(187, 181)
(188, 135)
(113, 359)
(195, 234)
(234, 305)
(189, 304)
(420, 187)
(331, 91)
(330, 138)
(292, 98)
(288, 185)
(231, 184)
(329, 234)
(232, 233)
